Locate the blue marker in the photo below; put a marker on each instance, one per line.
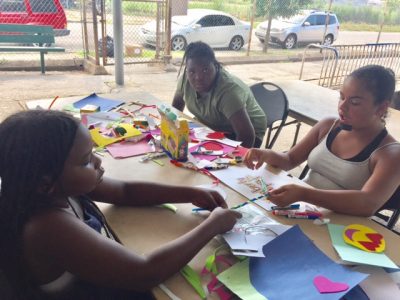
(290, 207)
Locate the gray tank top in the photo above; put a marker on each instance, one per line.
(329, 172)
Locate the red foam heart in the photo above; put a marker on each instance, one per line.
(216, 135)
(325, 285)
(376, 240)
(375, 237)
(212, 146)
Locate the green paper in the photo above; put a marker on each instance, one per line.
(237, 279)
(211, 265)
(169, 206)
(194, 279)
(353, 254)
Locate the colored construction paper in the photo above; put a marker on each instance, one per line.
(210, 145)
(237, 279)
(128, 149)
(103, 141)
(104, 103)
(352, 254)
(290, 265)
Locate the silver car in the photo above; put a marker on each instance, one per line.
(216, 28)
(306, 27)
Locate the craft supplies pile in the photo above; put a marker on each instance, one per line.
(126, 129)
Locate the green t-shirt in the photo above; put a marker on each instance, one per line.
(228, 95)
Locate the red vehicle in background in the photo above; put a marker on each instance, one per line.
(35, 12)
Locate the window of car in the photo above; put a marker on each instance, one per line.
(321, 19)
(312, 20)
(332, 20)
(225, 21)
(208, 21)
(47, 6)
(12, 6)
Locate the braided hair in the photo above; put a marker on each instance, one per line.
(34, 145)
(198, 50)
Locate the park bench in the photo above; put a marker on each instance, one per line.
(38, 38)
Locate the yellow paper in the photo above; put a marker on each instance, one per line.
(364, 238)
(103, 141)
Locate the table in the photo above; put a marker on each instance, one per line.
(145, 228)
(310, 103)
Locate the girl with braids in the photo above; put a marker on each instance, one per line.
(218, 99)
(54, 241)
(353, 160)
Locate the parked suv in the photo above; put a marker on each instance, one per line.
(35, 12)
(306, 27)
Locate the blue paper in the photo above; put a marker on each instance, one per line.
(104, 103)
(290, 265)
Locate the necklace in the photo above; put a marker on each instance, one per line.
(73, 208)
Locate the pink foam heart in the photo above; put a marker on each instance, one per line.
(324, 285)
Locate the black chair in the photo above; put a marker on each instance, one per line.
(274, 103)
(392, 205)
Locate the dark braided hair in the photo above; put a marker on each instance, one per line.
(199, 50)
(378, 80)
(34, 144)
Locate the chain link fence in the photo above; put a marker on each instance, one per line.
(235, 28)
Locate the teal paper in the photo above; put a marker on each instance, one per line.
(237, 278)
(352, 254)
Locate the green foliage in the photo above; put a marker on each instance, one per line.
(366, 14)
(218, 4)
(279, 8)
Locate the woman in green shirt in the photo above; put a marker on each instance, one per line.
(218, 99)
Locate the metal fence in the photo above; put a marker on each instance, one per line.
(336, 62)
(234, 30)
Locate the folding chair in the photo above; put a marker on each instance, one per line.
(393, 205)
(274, 103)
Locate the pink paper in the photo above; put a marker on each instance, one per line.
(225, 149)
(325, 285)
(127, 149)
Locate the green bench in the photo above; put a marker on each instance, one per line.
(42, 36)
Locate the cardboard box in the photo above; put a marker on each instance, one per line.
(133, 50)
(174, 134)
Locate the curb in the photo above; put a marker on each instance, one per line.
(51, 65)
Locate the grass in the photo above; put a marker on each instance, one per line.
(368, 27)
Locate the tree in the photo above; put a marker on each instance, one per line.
(389, 7)
(278, 8)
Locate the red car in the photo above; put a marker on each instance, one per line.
(35, 12)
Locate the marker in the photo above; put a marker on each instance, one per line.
(198, 209)
(310, 217)
(293, 206)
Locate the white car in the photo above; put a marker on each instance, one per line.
(306, 27)
(216, 28)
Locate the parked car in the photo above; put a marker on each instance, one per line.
(306, 27)
(216, 28)
(35, 12)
